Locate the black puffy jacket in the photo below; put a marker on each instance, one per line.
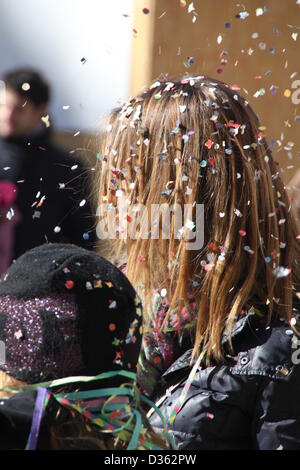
(252, 401)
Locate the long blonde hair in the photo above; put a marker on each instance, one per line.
(196, 140)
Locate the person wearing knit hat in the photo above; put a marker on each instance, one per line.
(67, 311)
(64, 312)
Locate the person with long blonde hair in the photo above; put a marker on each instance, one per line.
(221, 318)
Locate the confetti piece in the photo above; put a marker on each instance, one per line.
(182, 108)
(89, 285)
(262, 46)
(113, 304)
(242, 233)
(76, 133)
(294, 36)
(209, 143)
(157, 96)
(86, 236)
(248, 249)
(66, 107)
(18, 334)
(69, 284)
(227, 25)
(83, 60)
(112, 327)
(191, 7)
(36, 215)
(259, 92)
(219, 39)
(10, 214)
(82, 203)
(190, 225)
(190, 61)
(280, 272)
(146, 11)
(222, 214)
(25, 86)
(57, 229)
(97, 284)
(273, 89)
(259, 11)
(242, 15)
(46, 120)
(182, 3)
(287, 93)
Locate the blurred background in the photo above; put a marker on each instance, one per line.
(95, 53)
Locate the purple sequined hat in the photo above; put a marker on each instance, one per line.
(67, 311)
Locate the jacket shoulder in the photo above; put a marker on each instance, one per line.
(273, 353)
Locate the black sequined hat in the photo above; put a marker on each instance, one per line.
(67, 311)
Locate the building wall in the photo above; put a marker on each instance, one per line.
(167, 37)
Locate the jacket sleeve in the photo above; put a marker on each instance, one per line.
(276, 425)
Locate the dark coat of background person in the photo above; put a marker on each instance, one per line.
(40, 169)
(251, 402)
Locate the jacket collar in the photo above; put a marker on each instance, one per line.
(239, 327)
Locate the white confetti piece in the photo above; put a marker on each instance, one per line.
(25, 86)
(82, 203)
(191, 7)
(238, 213)
(281, 272)
(57, 229)
(190, 225)
(163, 292)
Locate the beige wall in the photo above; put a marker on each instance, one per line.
(164, 41)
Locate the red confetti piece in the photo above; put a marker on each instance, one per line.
(232, 124)
(212, 246)
(69, 284)
(211, 160)
(242, 233)
(112, 327)
(235, 87)
(146, 11)
(209, 143)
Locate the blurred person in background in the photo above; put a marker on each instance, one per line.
(46, 187)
